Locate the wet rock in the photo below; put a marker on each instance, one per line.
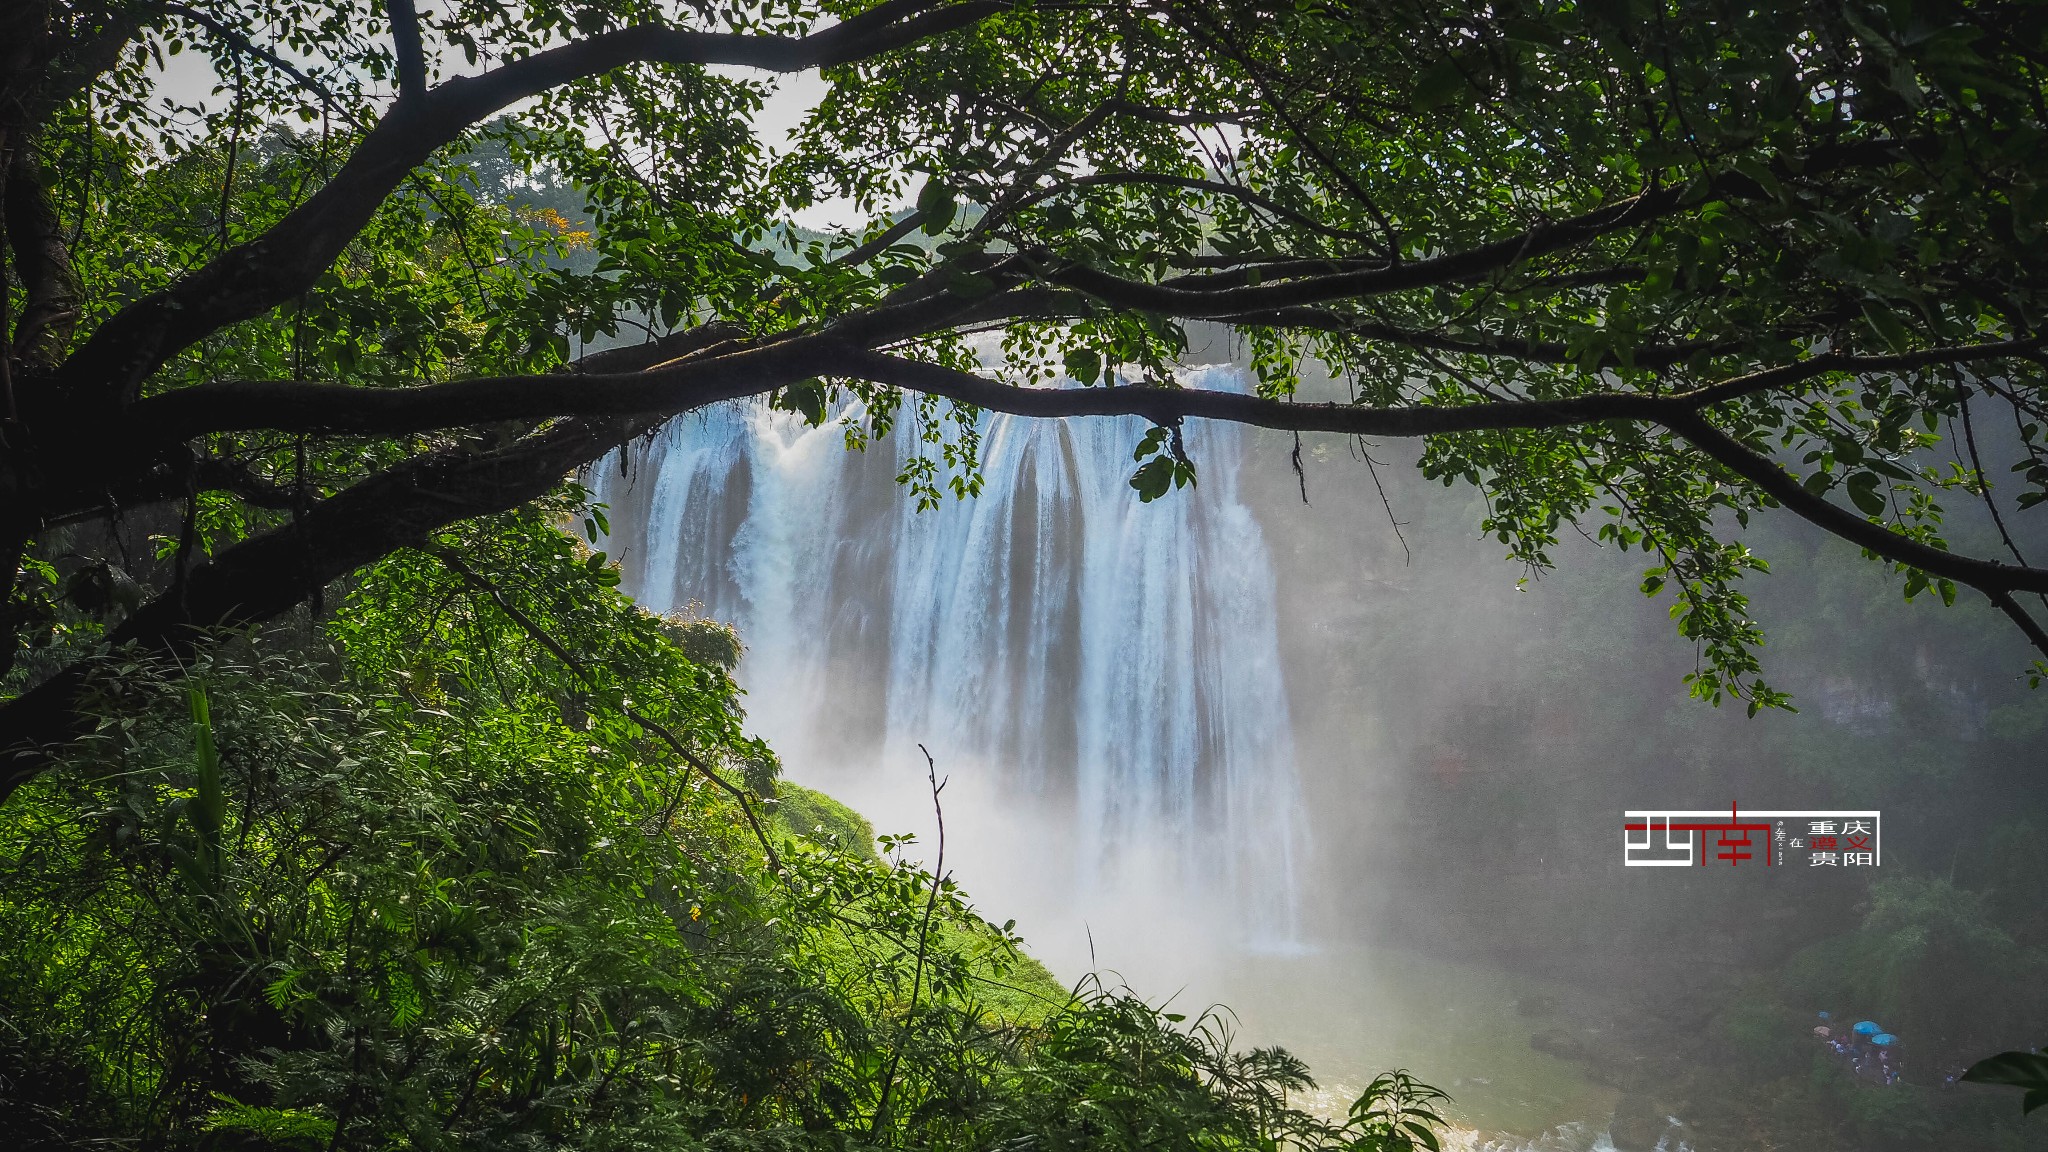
(1637, 1124)
(1562, 1044)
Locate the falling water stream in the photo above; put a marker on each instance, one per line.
(1100, 680)
(1109, 666)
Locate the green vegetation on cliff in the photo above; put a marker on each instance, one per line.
(485, 862)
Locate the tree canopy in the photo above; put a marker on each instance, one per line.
(1641, 269)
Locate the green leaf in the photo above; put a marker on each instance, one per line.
(938, 204)
(1154, 478)
(806, 398)
(2028, 1070)
(1863, 493)
(208, 810)
(1084, 365)
(1887, 325)
(1438, 85)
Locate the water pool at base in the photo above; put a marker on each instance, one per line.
(1353, 1012)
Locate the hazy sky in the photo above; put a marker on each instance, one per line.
(189, 78)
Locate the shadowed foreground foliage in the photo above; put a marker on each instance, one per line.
(413, 879)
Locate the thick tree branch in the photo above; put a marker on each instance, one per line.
(712, 375)
(51, 295)
(253, 277)
(268, 575)
(408, 48)
(1987, 576)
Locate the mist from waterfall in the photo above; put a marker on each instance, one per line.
(1100, 678)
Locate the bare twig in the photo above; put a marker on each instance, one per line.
(249, 47)
(924, 930)
(1372, 469)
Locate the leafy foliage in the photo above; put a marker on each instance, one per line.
(1642, 270)
(428, 879)
(2027, 1071)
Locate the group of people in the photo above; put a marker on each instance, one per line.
(1872, 1052)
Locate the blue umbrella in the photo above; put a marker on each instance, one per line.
(1867, 1027)
(1824, 1016)
(1883, 1038)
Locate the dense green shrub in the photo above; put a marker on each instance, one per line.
(486, 863)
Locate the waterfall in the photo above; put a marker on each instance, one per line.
(1113, 665)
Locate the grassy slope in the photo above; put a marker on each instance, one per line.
(1028, 993)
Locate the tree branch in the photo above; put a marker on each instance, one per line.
(257, 275)
(1531, 351)
(1770, 378)
(2004, 602)
(1199, 297)
(249, 47)
(1678, 413)
(532, 628)
(52, 298)
(894, 232)
(1167, 406)
(1214, 187)
(410, 51)
(288, 406)
(268, 575)
(1984, 575)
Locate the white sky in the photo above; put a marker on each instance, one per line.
(189, 78)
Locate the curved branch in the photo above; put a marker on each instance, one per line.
(237, 40)
(1987, 576)
(255, 276)
(1677, 413)
(1200, 297)
(2004, 602)
(268, 575)
(1214, 187)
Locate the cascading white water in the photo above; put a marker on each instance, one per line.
(1112, 663)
